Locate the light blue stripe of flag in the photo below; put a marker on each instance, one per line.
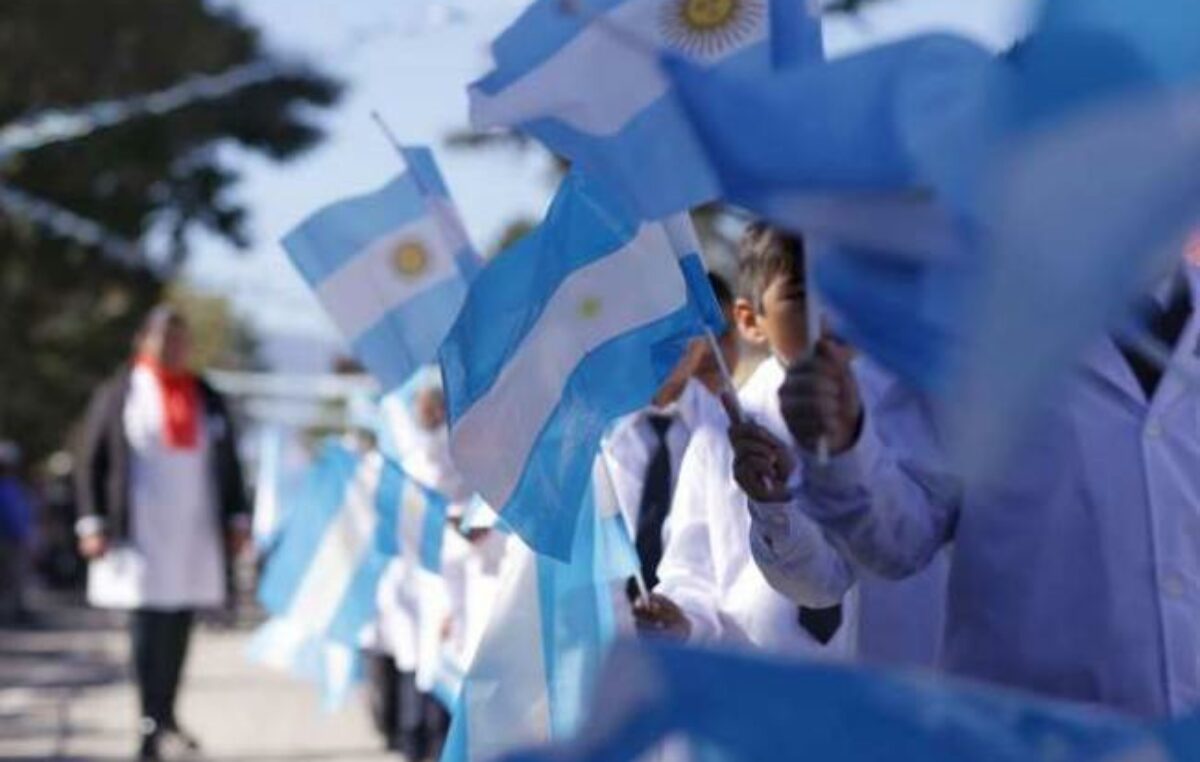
(393, 309)
(650, 155)
(573, 326)
(312, 506)
(915, 114)
(551, 667)
(324, 572)
(754, 708)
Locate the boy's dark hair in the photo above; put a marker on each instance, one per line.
(721, 289)
(763, 253)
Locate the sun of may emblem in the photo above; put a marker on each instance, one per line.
(706, 28)
(590, 307)
(410, 259)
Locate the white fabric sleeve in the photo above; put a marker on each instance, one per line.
(888, 502)
(686, 572)
(796, 557)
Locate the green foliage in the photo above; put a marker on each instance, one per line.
(220, 337)
(67, 313)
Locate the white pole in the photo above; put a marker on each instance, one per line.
(813, 325)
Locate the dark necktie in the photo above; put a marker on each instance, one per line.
(656, 500)
(822, 624)
(1165, 324)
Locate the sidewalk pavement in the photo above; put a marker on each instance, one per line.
(64, 695)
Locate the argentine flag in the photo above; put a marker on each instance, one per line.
(335, 544)
(391, 268)
(540, 656)
(584, 79)
(576, 324)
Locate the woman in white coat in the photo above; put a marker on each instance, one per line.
(162, 508)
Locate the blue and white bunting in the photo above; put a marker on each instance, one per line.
(573, 326)
(390, 267)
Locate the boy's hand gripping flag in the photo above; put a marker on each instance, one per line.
(583, 77)
(390, 267)
(575, 325)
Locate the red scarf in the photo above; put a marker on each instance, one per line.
(181, 404)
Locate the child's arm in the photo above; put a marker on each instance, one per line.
(793, 553)
(687, 572)
(797, 558)
(886, 499)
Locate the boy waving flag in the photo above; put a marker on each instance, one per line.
(390, 267)
(583, 77)
(575, 325)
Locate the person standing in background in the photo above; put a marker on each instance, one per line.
(16, 534)
(162, 508)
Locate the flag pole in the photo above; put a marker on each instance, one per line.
(388, 135)
(639, 581)
(812, 328)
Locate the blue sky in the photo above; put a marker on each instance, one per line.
(411, 60)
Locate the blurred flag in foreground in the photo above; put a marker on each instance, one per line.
(335, 545)
(986, 166)
(583, 78)
(539, 659)
(576, 324)
(746, 709)
(391, 268)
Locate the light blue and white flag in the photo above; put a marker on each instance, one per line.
(268, 484)
(756, 708)
(422, 524)
(539, 659)
(572, 327)
(391, 268)
(335, 545)
(584, 79)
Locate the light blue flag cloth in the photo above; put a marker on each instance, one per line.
(918, 114)
(754, 708)
(1165, 39)
(587, 84)
(335, 669)
(572, 327)
(540, 656)
(1040, 246)
(335, 544)
(390, 267)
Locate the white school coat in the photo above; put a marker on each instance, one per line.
(177, 536)
(1078, 574)
(707, 566)
(627, 449)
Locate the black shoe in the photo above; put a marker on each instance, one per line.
(149, 746)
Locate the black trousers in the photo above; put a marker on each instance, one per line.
(160, 642)
(422, 722)
(382, 694)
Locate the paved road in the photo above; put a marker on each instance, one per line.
(64, 695)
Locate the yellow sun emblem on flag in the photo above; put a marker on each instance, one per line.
(410, 260)
(706, 28)
(590, 308)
